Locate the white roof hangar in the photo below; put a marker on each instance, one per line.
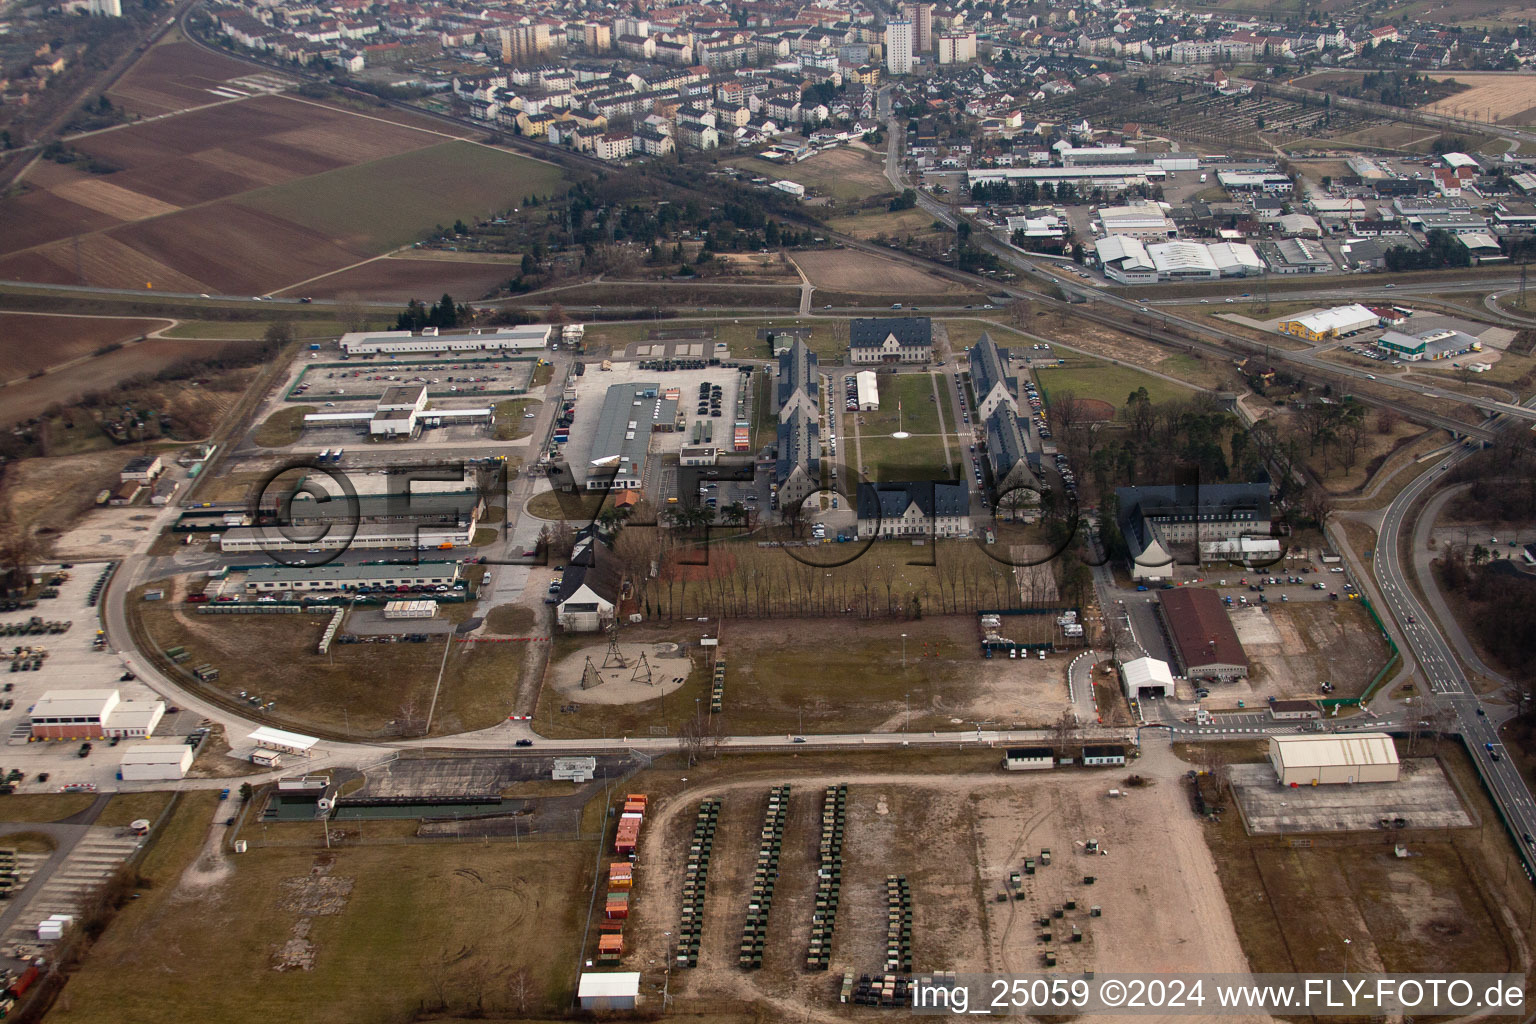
(1340, 759)
(1147, 674)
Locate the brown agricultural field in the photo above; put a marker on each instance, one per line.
(174, 75)
(236, 250)
(38, 216)
(849, 271)
(31, 397)
(30, 343)
(1509, 99)
(210, 154)
(97, 259)
(113, 200)
(402, 278)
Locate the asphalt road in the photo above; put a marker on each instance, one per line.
(1444, 672)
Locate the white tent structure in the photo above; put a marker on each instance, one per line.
(1147, 675)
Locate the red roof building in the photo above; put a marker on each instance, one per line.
(1205, 646)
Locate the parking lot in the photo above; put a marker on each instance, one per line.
(73, 661)
(367, 381)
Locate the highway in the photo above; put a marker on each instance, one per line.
(1443, 672)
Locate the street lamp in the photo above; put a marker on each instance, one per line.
(1346, 955)
(903, 650)
(906, 699)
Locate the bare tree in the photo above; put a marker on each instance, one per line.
(1065, 732)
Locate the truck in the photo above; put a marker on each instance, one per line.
(23, 982)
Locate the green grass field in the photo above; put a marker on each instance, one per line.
(898, 225)
(250, 330)
(283, 428)
(392, 202)
(1095, 378)
(510, 424)
(919, 457)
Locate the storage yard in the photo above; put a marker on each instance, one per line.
(948, 847)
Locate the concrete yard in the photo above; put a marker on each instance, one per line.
(436, 777)
(1422, 796)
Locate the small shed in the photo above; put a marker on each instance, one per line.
(609, 990)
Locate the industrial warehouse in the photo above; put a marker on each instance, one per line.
(1203, 640)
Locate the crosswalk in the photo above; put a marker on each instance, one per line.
(90, 863)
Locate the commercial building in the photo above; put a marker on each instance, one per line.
(1323, 325)
(1129, 260)
(1116, 176)
(155, 762)
(1146, 677)
(1296, 256)
(907, 339)
(1293, 710)
(351, 577)
(93, 714)
(526, 338)
(1203, 640)
(1332, 760)
(867, 384)
(622, 440)
(398, 408)
(1270, 184)
(1144, 221)
(1125, 259)
(898, 46)
(914, 510)
(1428, 345)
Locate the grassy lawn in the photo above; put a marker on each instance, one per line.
(358, 689)
(452, 922)
(919, 457)
(542, 373)
(393, 201)
(1095, 378)
(509, 421)
(845, 173)
(898, 224)
(510, 620)
(479, 685)
(43, 806)
(578, 507)
(126, 807)
(282, 428)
